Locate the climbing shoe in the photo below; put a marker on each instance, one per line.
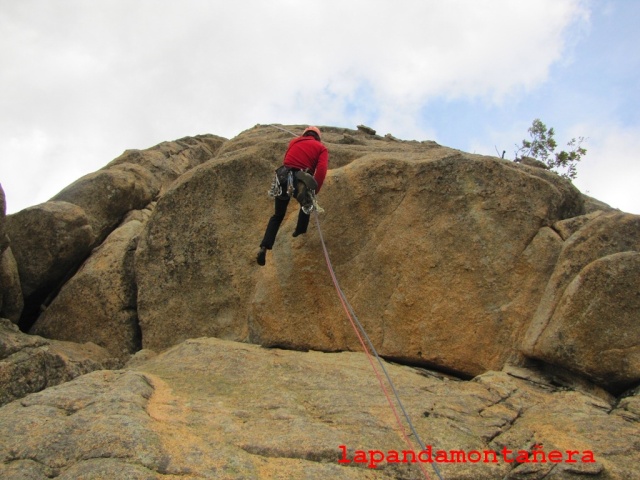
(296, 233)
(262, 256)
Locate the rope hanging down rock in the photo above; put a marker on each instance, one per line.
(364, 341)
(362, 337)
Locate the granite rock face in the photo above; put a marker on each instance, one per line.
(433, 246)
(51, 240)
(29, 363)
(511, 298)
(453, 261)
(99, 303)
(48, 241)
(589, 317)
(209, 408)
(11, 301)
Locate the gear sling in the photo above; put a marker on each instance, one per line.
(292, 182)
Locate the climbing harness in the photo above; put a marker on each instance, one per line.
(368, 348)
(283, 184)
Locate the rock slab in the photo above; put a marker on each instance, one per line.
(209, 408)
(29, 363)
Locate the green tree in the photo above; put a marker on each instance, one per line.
(542, 147)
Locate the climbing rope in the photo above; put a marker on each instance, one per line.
(362, 336)
(364, 341)
(283, 129)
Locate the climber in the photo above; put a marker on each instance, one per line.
(302, 172)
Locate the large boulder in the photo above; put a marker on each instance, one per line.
(433, 253)
(193, 264)
(4, 240)
(134, 179)
(209, 408)
(49, 241)
(99, 303)
(594, 330)
(108, 194)
(443, 254)
(168, 160)
(11, 301)
(29, 363)
(589, 317)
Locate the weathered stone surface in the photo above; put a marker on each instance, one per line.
(593, 205)
(96, 425)
(193, 263)
(209, 409)
(108, 194)
(48, 241)
(414, 270)
(133, 180)
(29, 363)
(4, 240)
(52, 239)
(11, 301)
(99, 303)
(595, 328)
(568, 227)
(168, 160)
(429, 286)
(615, 300)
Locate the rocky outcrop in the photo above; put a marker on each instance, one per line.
(29, 363)
(424, 239)
(134, 179)
(51, 240)
(589, 317)
(452, 261)
(11, 301)
(99, 303)
(496, 272)
(209, 409)
(48, 241)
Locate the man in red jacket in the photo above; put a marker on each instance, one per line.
(305, 153)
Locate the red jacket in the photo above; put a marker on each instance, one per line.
(307, 152)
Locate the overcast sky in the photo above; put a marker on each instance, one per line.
(82, 81)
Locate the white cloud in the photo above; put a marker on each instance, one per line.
(611, 169)
(95, 79)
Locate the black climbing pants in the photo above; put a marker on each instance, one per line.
(281, 204)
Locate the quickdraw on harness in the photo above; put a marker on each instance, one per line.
(289, 182)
